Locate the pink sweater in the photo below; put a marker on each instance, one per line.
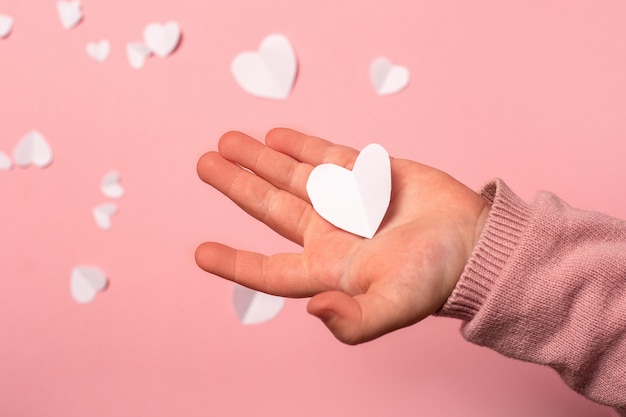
(547, 284)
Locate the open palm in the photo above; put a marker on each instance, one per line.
(361, 288)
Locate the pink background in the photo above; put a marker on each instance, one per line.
(530, 91)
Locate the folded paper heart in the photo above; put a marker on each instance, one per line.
(33, 149)
(110, 185)
(137, 53)
(86, 282)
(99, 51)
(70, 13)
(102, 215)
(162, 39)
(388, 78)
(6, 25)
(357, 200)
(268, 73)
(254, 307)
(5, 162)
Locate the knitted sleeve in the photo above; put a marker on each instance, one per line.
(546, 284)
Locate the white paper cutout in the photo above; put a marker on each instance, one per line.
(99, 51)
(102, 215)
(110, 185)
(162, 39)
(86, 282)
(357, 200)
(270, 72)
(388, 78)
(254, 307)
(5, 162)
(70, 13)
(6, 25)
(33, 149)
(137, 53)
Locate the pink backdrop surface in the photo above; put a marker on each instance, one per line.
(533, 92)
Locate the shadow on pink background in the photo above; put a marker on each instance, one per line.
(532, 92)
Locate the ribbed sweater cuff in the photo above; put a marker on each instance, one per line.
(505, 224)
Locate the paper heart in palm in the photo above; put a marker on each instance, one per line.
(33, 149)
(102, 215)
(70, 13)
(6, 25)
(357, 200)
(99, 51)
(110, 185)
(254, 307)
(86, 282)
(5, 162)
(137, 53)
(162, 39)
(270, 72)
(388, 78)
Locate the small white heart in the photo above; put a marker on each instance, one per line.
(162, 39)
(110, 185)
(102, 215)
(86, 282)
(6, 25)
(5, 162)
(99, 51)
(137, 53)
(70, 13)
(357, 200)
(33, 149)
(388, 78)
(254, 307)
(270, 72)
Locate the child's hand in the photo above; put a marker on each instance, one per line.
(360, 288)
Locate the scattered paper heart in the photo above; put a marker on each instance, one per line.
(86, 282)
(102, 215)
(33, 149)
(270, 72)
(137, 53)
(70, 13)
(99, 51)
(6, 25)
(162, 39)
(254, 307)
(357, 200)
(110, 185)
(388, 78)
(5, 162)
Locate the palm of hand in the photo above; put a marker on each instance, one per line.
(361, 288)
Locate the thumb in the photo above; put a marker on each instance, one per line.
(363, 317)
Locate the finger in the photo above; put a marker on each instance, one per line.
(361, 318)
(285, 213)
(310, 149)
(279, 169)
(280, 274)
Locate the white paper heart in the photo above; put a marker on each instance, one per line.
(270, 72)
(110, 185)
(70, 13)
(357, 200)
(102, 215)
(162, 39)
(137, 53)
(99, 51)
(33, 149)
(5, 162)
(6, 25)
(86, 282)
(388, 78)
(254, 307)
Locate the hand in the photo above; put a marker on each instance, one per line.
(360, 288)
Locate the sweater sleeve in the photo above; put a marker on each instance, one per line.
(546, 284)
